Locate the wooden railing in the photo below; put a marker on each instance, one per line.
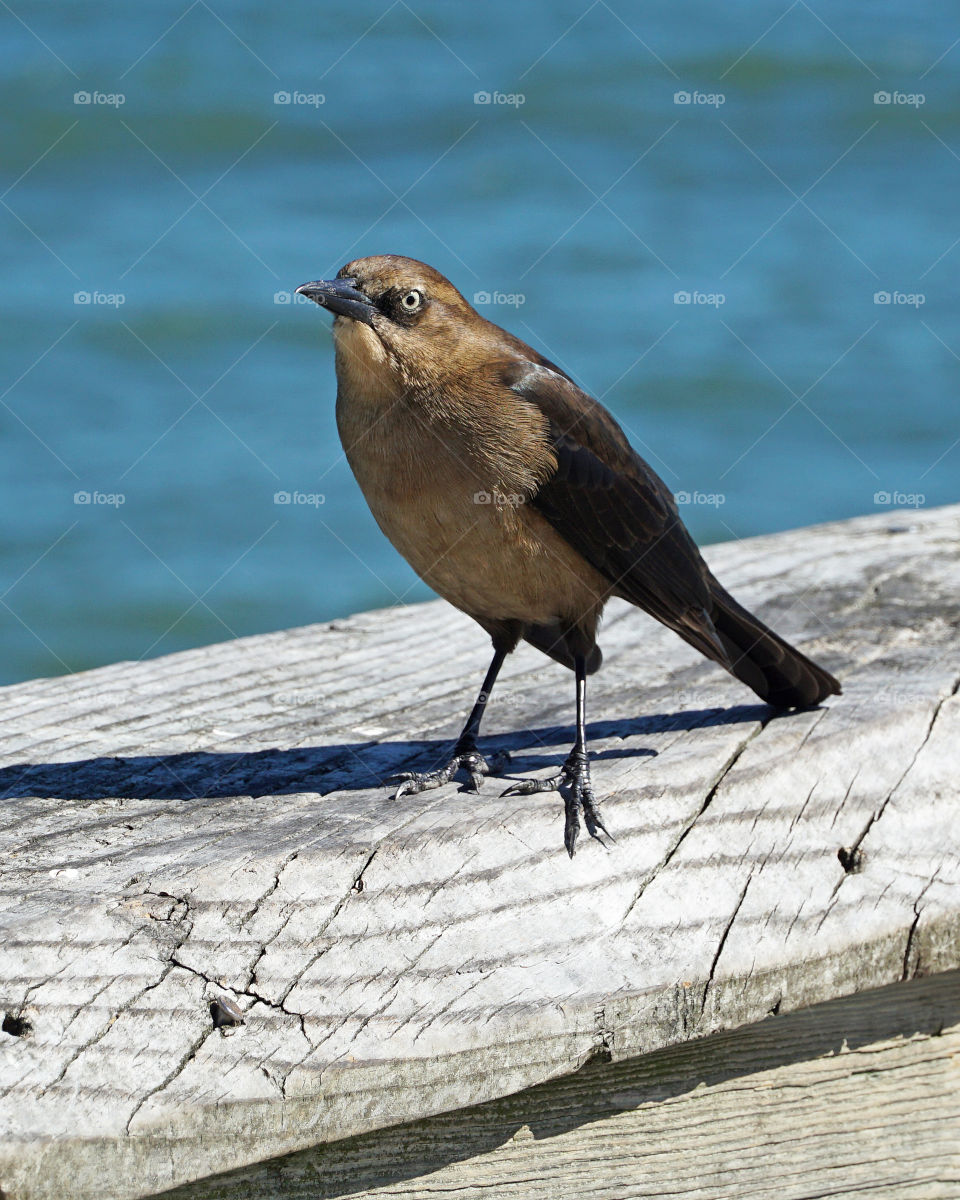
(224, 943)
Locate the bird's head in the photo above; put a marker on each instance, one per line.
(397, 312)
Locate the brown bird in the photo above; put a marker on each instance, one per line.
(517, 497)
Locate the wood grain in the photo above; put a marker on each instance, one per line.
(213, 824)
(857, 1097)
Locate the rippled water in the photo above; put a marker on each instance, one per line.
(185, 388)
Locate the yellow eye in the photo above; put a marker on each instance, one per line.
(412, 300)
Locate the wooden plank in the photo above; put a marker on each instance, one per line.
(855, 1098)
(212, 824)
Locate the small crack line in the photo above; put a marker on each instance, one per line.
(917, 912)
(708, 799)
(106, 1028)
(820, 715)
(723, 942)
(875, 816)
(338, 907)
(846, 796)
(255, 996)
(191, 1053)
(446, 1007)
(262, 953)
(390, 994)
(391, 833)
(270, 890)
(127, 1004)
(803, 806)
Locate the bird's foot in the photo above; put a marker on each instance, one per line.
(575, 774)
(466, 756)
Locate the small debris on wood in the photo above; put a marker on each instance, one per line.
(16, 1026)
(225, 1012)
(851, 859)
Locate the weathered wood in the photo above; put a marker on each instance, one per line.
(857, 1097)
(162, 848)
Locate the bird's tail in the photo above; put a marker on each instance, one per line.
(762, 660)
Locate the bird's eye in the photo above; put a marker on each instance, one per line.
(412, 300)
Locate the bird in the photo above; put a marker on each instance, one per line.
(517, 497)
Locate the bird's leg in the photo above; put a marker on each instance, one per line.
(465, 752)
(575, 772)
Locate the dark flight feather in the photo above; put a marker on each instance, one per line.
(617, 513)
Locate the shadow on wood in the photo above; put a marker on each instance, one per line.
(339, 767)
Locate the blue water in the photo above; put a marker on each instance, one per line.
(197, 199)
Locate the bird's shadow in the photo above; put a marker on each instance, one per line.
(342, 766)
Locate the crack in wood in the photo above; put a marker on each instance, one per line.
(722, 943)
(852, 852)
(911, 933)
(188, 1057)
(352, 891)
(261, 900)
(708, 798)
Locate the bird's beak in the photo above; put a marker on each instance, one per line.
(340, 296)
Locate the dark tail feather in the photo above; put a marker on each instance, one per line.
(763, 661)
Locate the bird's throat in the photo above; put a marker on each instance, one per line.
(364, 368)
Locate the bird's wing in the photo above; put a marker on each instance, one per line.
(614, 509)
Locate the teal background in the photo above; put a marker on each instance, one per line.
(199, 198)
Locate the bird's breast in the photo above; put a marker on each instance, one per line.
(464, 524)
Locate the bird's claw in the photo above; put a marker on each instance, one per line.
(575, 774)
(527, 787)
(472, 761)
